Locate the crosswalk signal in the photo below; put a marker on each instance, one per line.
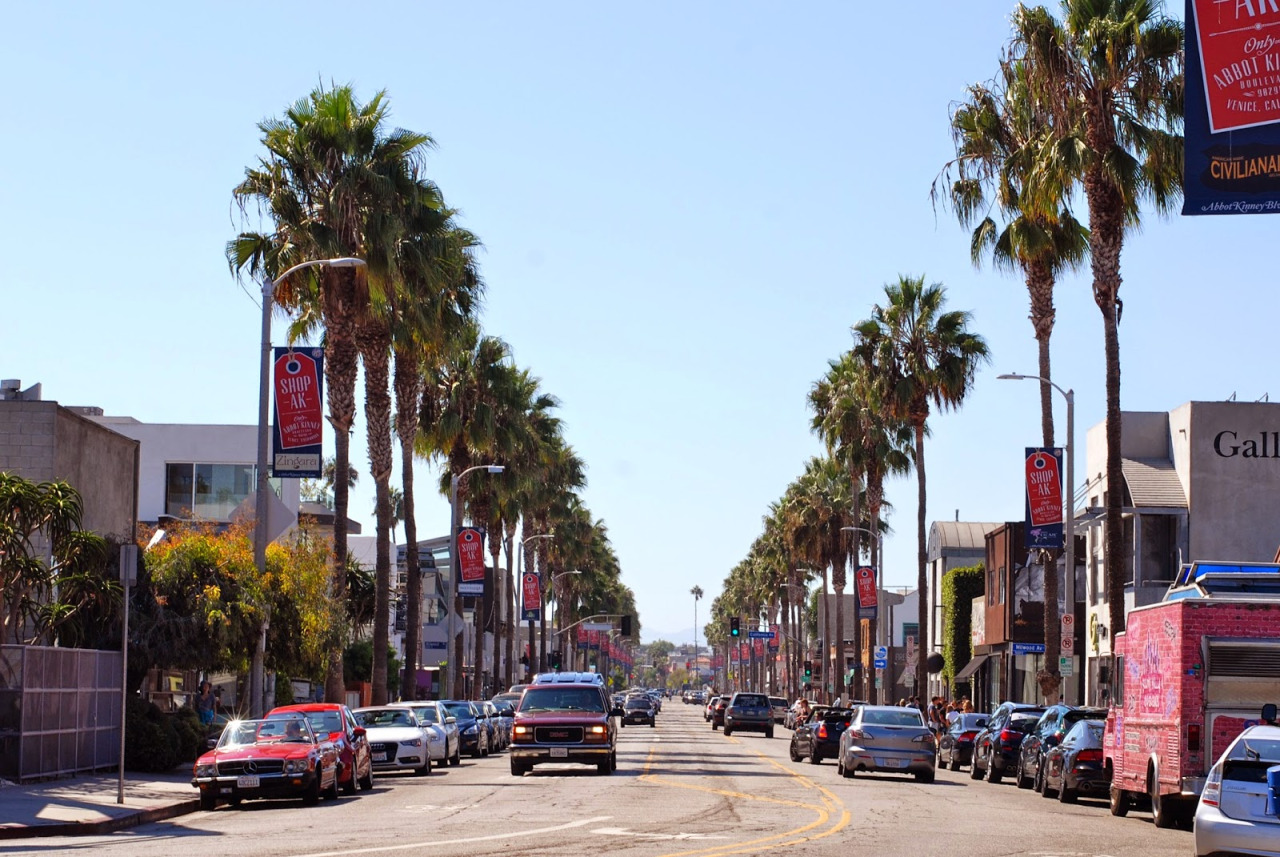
(555, 659)
(808, 669)
(735, 627)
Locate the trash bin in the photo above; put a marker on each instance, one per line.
(1273, 790)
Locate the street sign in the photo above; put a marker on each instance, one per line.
(1068, 624)
(760, 635)
(1068, 644)
(881, 653)
(881, 663)
(1065, 666)
(1028, 648)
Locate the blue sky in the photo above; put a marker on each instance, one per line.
(684, 208)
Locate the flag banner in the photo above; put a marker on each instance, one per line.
(1232, 124)
(1043, 470)
(298, 427)
(470, 561)
(866, 581)
(531, 597)
(773, 641)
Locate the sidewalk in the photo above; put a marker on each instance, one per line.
(87, 805)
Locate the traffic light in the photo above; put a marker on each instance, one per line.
(808, 669)
(626, 626)
(555, 659)
(735, 627)
(688, 665)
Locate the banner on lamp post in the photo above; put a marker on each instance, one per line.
(1043, 471)
(866, 581)
(773, 640)
(531, 597)
(298, 392)
(1232, 114)
(470, 561)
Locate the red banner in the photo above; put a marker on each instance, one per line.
(299, 409)
(470, 561)
(531, 600)
(1240, 61)
(1044, 489)
(759, 646)
(775, 639)
(866, 580)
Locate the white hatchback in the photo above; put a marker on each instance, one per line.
(1238, 811)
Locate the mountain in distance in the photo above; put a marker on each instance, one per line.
(682, 637)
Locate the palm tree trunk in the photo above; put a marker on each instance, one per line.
(825, 654)
(922, 578)
(341, 364)
(1040, 285)
(375, 347)
(499, 597)
(408, 385)
(510, 608)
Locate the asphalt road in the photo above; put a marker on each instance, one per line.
(681, 790)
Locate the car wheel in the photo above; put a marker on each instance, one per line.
(1121, 800)
(714, 727)
(955, 762)
(1066, 795)
(653, 724)
(924, 776)
(815, 758)
(331, 793)
(613, 761)
(425, 770)
(312, 797)
(993, 773)
(975, 773)
(623, 724)
(518, 769)
(349, 784)
(727, 731)
(604, 768)
(795, 757)
(768, 733)
(1020, 777)
(1047, 790)
(208, 800)
(366, 782)
(456, 759)
(1163, 811)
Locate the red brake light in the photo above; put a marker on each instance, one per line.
(822, 731)
(1089, 756)
(1193, 737)
(1007, 735)
(968, 736)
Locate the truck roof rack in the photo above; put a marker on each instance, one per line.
(1226, 580)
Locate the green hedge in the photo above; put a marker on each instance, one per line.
(959, 587)
(156, 742)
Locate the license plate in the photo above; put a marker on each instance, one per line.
(891, 763)
(379, 757)
(247, 782)
(559, 752)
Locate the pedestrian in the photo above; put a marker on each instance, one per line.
(206, 703)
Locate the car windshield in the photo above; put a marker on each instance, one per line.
(971, 721)
(552, 698)
(322, 722)
(1086, 733)
(385, 717)
(1023, 723)
(427, 715)
(245, 733)
(903, 717)
(777, 702)
(751, 700)
(640, 704)
(460, 710)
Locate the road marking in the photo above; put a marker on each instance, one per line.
(622, 831)
(431, 807)
(435, 843)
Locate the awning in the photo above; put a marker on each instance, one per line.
(1153, 483)
(970, 668)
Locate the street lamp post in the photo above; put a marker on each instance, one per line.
(857, 601)
(1069, 511)
(256, 671)
(520, 576)
(453, 659)
(558, 631)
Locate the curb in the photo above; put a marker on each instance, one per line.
(108, 825)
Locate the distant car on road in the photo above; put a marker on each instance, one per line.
(748, 712)
(639, 710)
(818, 737)
(888, 738)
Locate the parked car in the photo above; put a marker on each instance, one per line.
(748, 712)
(639, 710)
(494, 723)
(443, 740)
(565, 723)
(779, 706)
(1049, 731)
(955, 746)
(396, 741)
(717, 711)
(355, 761)
(472, 733)
(1237, 811)
(818, 737)
(281, 757)
(887, 738)
(711, 705)
(1074, 765)
(995, 750)
(505, 705)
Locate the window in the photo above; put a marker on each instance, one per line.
(207, 491)
(1001, 574)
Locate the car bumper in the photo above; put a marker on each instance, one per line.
(268, 786)
(1216, 834)
(575, 755)
(646, 719)
(753, 724)
(1089, 781)
(895, 761)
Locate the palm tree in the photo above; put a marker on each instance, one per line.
(697, 593)
(1111, 77)
(329, 183)
(922, 356)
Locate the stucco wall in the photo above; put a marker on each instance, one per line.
(1234, 480)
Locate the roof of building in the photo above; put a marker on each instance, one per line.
(324, 516)
(945, 536)
(1153, 482)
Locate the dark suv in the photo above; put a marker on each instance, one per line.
(564, 723)
(749, 712)
(995, 750)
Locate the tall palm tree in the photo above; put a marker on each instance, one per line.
(1111, 76)
(923, 356)
(329, 183)
(697, 594)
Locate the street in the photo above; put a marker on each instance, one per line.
(680, 789)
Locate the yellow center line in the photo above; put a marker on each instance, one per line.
(830, 804)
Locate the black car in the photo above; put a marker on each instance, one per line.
(955, 746)
(717, 711)
(818, 737)
(749, 712)
(473, 732)
(639, 709)
(995, 750)
(1052, 727)
(1075, 765)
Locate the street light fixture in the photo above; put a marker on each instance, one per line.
(1069, 512)
(453, 657)
(260, 499)
(520, 577)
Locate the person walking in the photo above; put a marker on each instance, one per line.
(206, 704)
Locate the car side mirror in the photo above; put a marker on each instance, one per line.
(359, 732)
(451, 720)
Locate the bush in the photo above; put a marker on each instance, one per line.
(155, 742)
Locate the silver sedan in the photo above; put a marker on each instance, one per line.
(887, 738)
(1238, 808)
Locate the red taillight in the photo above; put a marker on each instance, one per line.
(822, 731)
(1193, 737)
(1089, 756)
(1007, 736)
(968, 736)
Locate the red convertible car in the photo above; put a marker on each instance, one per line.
(278, 758)
(334, 720)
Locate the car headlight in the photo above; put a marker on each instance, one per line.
(412, 742)
(469, 730)
(297, 766)
(206, 770)
(522, 730)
